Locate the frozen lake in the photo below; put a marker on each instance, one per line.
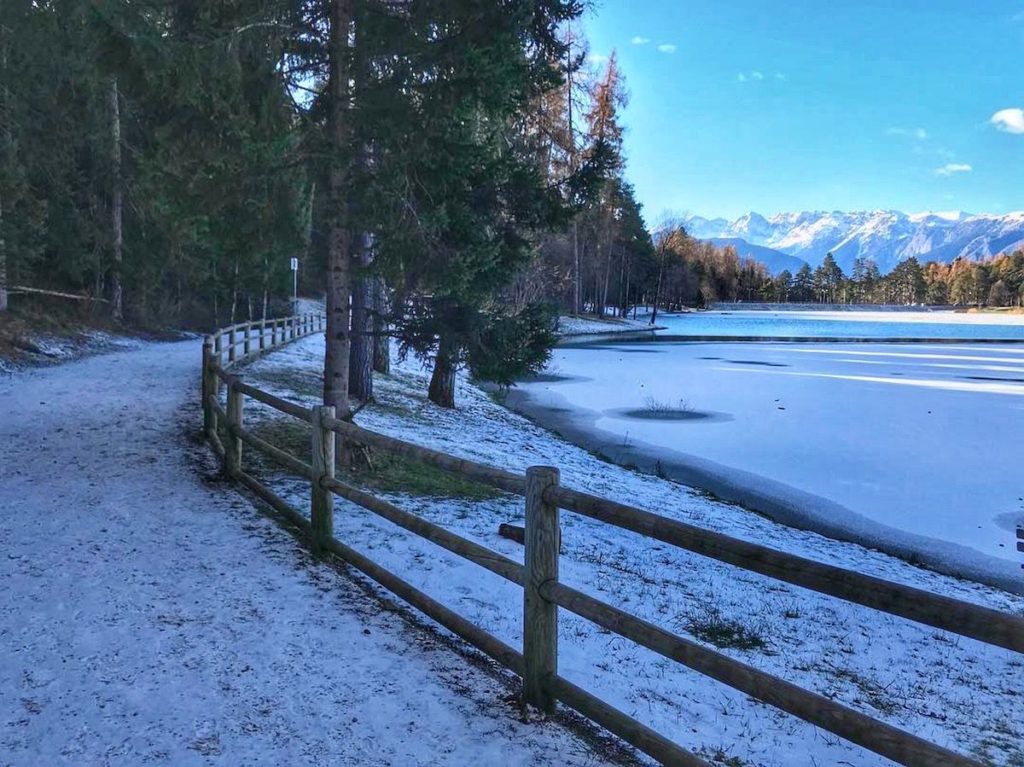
(847, 324)
(911, 447)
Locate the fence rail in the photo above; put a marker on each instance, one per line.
(543, 592)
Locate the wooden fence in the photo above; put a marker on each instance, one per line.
(543, 592)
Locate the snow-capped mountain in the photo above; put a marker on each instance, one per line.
(886, 236)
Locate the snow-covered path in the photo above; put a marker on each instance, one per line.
(149, 614)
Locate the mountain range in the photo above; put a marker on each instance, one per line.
(788, 240)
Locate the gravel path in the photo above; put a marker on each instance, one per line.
(149, 614)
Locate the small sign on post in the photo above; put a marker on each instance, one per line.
(295, 285)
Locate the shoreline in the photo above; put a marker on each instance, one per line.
(771, 499)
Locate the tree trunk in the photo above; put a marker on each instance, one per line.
(381, 339)
(442, 382)
(5, 159)
(3, 259)
(607, 279)
(577, 280)
(116, 203)
(360, 361)
(234, 294)
(657, 289)
(339, 265)
(360, 374)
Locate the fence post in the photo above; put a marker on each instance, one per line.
(231, 345)
(247, 345)
(540, 617)
(321, 513)
(233, 444)
(263, 334)
(208, 387)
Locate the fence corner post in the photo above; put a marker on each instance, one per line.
(321, 513)
(540, 617)
(233, 445)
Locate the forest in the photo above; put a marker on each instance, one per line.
(995, 282)
(445, 171)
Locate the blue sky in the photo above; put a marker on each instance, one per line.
(741, 105)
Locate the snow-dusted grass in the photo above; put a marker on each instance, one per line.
(149, 614)
(957, 692)
(570, 325)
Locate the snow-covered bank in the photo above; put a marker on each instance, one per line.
(570, 326)
(957, 692)
(149, 614)
(19, 350)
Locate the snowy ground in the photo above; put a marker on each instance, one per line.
(150, 615)
(957, 692)
(592, 326)
(914, 447)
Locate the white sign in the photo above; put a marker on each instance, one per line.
(295, 264)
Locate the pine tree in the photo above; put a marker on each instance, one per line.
(461, 197)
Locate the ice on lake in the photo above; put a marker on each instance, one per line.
(920, 442)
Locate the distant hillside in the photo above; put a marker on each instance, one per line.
(775, 260)
(885, 236)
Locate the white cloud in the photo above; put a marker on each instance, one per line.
(919, 133)
(756, 75)
(667, 48)
(953, 168)
(638, 40)
(597, 58)
(1009, 120)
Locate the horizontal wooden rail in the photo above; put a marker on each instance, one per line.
(970, 620)
(55, 294)
(484, 641)
(488, 475)
(284, 406)
(855, 727)
(626, 727)
(273, 500)
(500, 565)
(286, 459)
